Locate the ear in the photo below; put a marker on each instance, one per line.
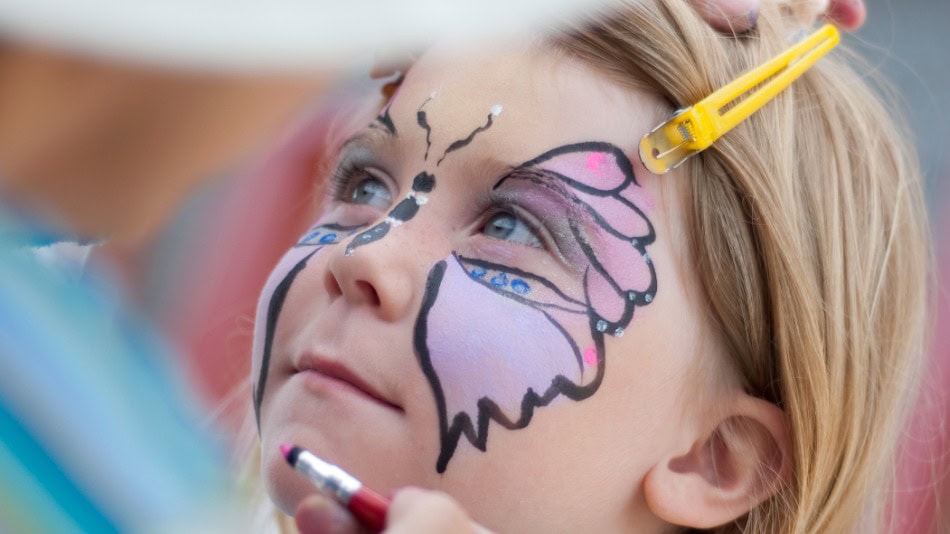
(742, 462)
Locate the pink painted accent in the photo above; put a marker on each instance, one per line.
(590, 356)
(596, 160)
(606, 175)
(285, 450)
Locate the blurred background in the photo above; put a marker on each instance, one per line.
(909, 43)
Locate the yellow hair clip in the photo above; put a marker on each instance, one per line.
(694, 129)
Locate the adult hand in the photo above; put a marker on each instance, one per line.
(740, 15)
(413, 510)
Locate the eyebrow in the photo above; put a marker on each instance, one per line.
(385, 122)
(367, 137)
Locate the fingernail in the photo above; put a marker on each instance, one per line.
(753, 18)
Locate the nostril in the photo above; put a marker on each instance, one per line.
(369, 292)
(332, 285)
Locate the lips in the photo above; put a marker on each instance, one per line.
(341, 374)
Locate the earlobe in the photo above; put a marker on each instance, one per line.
(740, 463)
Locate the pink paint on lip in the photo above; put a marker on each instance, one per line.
(324, 370)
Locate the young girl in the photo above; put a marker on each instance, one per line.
(501, 303)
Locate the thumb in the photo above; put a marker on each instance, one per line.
(319, 515)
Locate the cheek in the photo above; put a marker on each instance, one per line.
(268, 307)
(483, 345)
(491, 345)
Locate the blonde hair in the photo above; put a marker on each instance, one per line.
(808, 234)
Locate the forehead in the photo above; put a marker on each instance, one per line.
(543, 99)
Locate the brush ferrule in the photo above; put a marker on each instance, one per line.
(328, 477)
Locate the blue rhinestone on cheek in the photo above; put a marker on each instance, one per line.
(500, 280)
(520, 286)
(329, 238)
(478, 272)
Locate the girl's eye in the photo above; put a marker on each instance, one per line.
(508, 227)
(371, 192)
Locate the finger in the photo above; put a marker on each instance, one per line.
(806, 12)
(319, 515)
(728, 16)
(414, 511)
(388, 63)
(847, 14)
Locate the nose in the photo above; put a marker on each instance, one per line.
(385, 276)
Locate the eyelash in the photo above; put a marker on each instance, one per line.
(500, 206)
(345, 177)
(348, 175)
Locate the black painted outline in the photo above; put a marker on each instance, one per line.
(275, 306)
(402, 212)
(423, 123)
(461, 424)
(464, 260)
(487, 410)
(461, 143)
(384, 121)
(335, 227)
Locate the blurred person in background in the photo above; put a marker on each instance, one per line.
(110, 115)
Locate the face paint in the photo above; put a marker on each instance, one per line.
(423, 182)
(384, 121)
(406, 209)
(495, 111)
(277, 287)
(423, 123)
(496, 341)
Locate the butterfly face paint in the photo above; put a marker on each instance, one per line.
(497, 336)
(496, 340)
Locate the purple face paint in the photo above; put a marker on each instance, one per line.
(603, 185)
(497, 340)
(491, 345)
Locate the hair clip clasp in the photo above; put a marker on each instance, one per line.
(692, 130)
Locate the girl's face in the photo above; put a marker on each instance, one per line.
(489, 305)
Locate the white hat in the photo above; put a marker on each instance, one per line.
(263, 34)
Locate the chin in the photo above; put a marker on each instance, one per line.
(382, 464)
(285, 486)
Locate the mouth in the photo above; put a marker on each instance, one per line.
(337, 375)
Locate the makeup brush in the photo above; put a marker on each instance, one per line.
(367, 506)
